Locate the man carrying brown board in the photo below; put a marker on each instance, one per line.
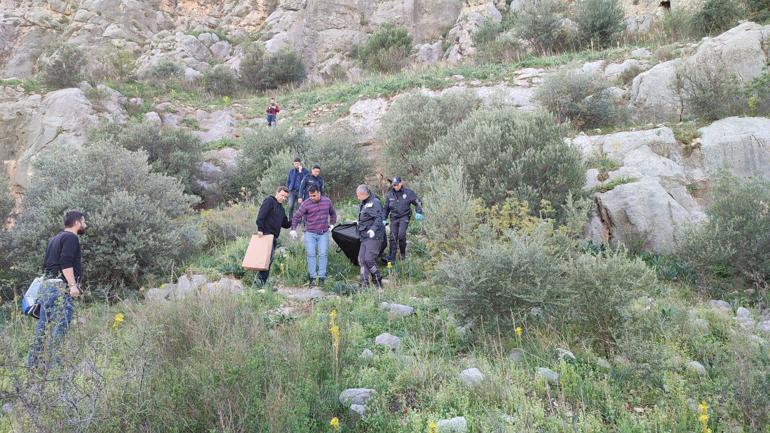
(271, 218)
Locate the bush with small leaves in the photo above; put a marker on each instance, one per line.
(716, 16)
(7, 201)
(61, 65)
(732, 246)
(386, 50)
(221, 81)
(583, 99)
(505, 150)
(704, 83)
(170, 151)
(132, 214)
(281, 68)
(414, 122)
(600, 21)
(251, 67)
(165, 70)
(542, 25)
(759, 10)
(343, 164)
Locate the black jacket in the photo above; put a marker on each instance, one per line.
(272, 217)
(370, 218)
(63, 252)
(398, 204)
(307, 182)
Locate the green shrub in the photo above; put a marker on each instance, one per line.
(7, 201)
(504, 279)
(581, 98)
(274, 174)
(221, 81)
(386, 50)
(131, 212)
(165, 70)
(449, 205)
(170, 151)
(506, 150)
(343, 164)
(676, 25)
(759, 10)
(747, 369)
(220, 226)
(704, 83)
(716, 16)
(541, 24)
(257, 150)
(733, 244)
(61, 65)
(251, 67)
(600, 287)
(413, 122)
(283, 67)
(504, 49)
(758, 95)
(600, 21)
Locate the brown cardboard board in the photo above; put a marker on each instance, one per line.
(257, 256)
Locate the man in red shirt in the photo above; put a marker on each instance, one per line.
(272, 111)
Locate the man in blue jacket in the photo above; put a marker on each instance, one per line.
(398, 207)
(293, 183)
(371, 232)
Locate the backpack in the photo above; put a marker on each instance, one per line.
(29, 303)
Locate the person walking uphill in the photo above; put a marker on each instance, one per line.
(63, 273)
(371, 231)
(270, 220)
(320, 217)
(398, 207)
(293, 182)
(272, 112)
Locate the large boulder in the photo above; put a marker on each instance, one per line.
(738, 144)
(654, 94)
(645, 215)
(473, 16)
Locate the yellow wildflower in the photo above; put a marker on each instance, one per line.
(519, 331)
(432, 427)
(117, 320)
(335, 423)
(703, 408)
(390, 265)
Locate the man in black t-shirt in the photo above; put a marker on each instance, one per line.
(62, 262)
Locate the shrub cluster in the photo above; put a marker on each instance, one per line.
(260, 71)
(132, 213)
(584, 99)
(6, 200)
(702, 84)
(733, 244)
(505, 150)
(221, 81)
(599, 21)
(715, 16)
(61, 65)
(542, 25)
(386, 50)
(414, 122)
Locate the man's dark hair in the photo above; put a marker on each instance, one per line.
(71, 217)
(282, 189)
(297, 159)
(312, 190)
(316, 166)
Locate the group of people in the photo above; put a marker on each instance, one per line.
(308, 205)
(63, 271)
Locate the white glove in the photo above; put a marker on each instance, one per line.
(293, 234)
(331, 227)
(371, 233)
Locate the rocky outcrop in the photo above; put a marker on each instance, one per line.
(473, 15)
(741, 52)
(740, 145)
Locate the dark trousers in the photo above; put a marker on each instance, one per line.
(293, 205)
(263, 275)
(398, 237)
(367, 259)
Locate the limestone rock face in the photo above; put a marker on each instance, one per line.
(738, 144)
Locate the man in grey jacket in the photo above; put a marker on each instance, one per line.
(371, 232)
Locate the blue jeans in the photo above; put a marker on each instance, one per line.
(55, 306)
(271, 120)
(316, 244)
(263, 275)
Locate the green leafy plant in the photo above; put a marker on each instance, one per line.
(221, 81)
(386, 50)
(61, 65)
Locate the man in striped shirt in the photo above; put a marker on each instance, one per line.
(320, 217)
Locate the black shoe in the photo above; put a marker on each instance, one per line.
(385, 260)
(321, 282)
(378, 280)
(311, 282)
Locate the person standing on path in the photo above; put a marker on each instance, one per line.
(63, 272)
(371, 232)
(270, 220)
(320, 217)
(398, 207)
(272, 112)
(294, 182)
(314, 178)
